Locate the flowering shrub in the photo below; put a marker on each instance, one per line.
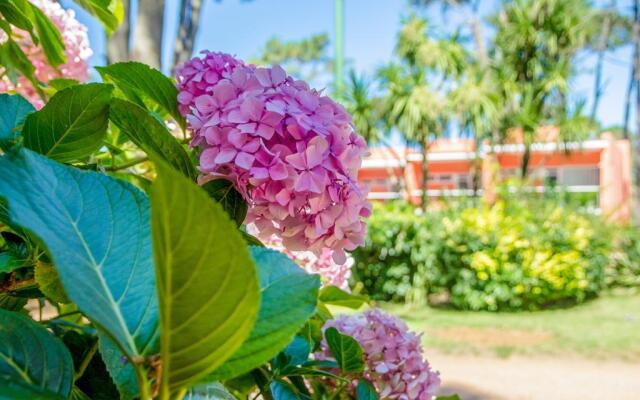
(392, 354)
(516, 255)
(157, 289)
(76, 50)
(290, 151)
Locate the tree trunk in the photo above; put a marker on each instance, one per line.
(524, 165)
(187, 30)
(425, 177)
(118, 43)
(601, 50)
(147, 35)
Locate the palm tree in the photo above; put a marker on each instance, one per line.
(534, 49)
(476, 106)
(417, 87)
(367, 111)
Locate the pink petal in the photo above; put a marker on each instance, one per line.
(265, 131)
(205, 104)
(252, 146)
(224, 91)
(208, 157)
(297, 161)
(262, 74)
(237, 117)
(278, 75)
(248, 128)
(226, 155)
(244, 160)
(278, 171)
(236, 138)
(185, 98)
(252, 107)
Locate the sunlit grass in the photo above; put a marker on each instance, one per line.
(608, 327)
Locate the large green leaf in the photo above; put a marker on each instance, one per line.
(151, 135)
(17, 17)
(212, 391)
(222, 191)
(137, 80)
(345, 349)
(366, 391)
(335, 296)
(13, 59)
(289, 297)
(49, 35)
(207, 284)
(32, 360)
(109, 12)
(13, 111)
(96, 229)
(72, 125)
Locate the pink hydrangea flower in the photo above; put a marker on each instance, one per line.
(392, 355)
(332, 273)
(291, 152)
(77, 50)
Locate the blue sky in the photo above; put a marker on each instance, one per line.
(242, 28)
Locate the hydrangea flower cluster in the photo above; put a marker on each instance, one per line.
(291, 152)
(76, 45)
(393, 355)
(331, 272)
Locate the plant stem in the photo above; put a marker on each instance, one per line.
(128, 164)
(143, 382)
(85, 361)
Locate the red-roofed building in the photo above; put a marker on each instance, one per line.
(601, 166)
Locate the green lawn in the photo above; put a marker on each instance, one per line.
(608, 327)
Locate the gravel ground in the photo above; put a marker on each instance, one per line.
(524, 378)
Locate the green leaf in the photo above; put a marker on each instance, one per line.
(49, 282)
(16, 17)
(15, 109)
(109, 12)
(137, 80)
(72, 125)
(95, 382)
(207, 284)
(450, 397)
(151, 135)
(366, 391)
(12, 303)
(289, 297)
(62, 83)
(345, 349)
(32, 358)
(77, 394)
(284, 391)
(50, 37)
(96, 230)
(335, 296)
(14, 60)
(297, 351)
(9, 262)
(222, 191)
(212, 391)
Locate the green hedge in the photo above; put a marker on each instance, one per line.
(524, 255)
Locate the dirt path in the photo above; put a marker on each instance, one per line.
(520, 378)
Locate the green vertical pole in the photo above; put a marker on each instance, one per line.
(339, 50)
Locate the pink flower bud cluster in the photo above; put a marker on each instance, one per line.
(290, 151)
(392, 355)
(76, 46)
(331, 272)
